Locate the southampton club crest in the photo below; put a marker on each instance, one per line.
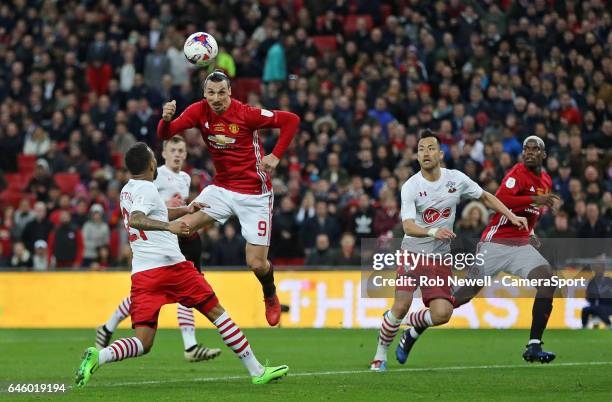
(451, 186)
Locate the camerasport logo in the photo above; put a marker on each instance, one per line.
(432, 215)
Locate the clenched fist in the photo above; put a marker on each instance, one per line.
(168, 110)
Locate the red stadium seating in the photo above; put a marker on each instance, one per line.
(13, 198)
(114, 244)
(385, 10)
(26, 163)
(67, 182)
(117, 160)
(243, 86)
(280, 262)
(16, 181)
(350, 23)
(325, 43)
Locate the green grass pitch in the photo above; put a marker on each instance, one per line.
(326, 365)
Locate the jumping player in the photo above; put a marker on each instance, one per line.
(524, 189)
(161, 275)
(242, 185)
(429, 199)
(173, 186)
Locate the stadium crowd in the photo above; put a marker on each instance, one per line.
(81, 81)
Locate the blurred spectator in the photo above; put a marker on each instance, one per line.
(307, 209)
(40, 259)
(360, 219)
(42, 181)
(11, 144)
(285, 242)
(103, 259)
(63, 205)
(599, 297)
(275, 66)
(81, 213)
(474, 219)
(157, 65)
(38, 228)
(37, 143)
(321, 223)
(322, 255)
(20, 219)
(561, 228)
(66, 244)
(229, 250)
(594, 226)
(99, 71)
(386, 217)
(347, 255)
(21, 258)
(96, 234)
(335, 174)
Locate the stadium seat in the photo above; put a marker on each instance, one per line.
(16, 181)
(386, 10)
(325, 43)
(67, 182)
(26, 163)
(321, 20)
(13, 198)
(114, 244)
(117, 160)
(94, 166)
(350, 23)
(280, 262)
(243, 86)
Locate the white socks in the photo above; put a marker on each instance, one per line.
(186, 322)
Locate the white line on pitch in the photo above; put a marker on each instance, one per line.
(317, 373)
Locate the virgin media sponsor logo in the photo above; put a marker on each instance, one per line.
(432, 215)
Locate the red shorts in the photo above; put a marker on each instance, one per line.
(178, 283)
(434, 273)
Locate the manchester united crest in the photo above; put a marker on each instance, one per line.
(233, 128)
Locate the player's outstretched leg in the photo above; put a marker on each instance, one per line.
(234, 338)
(273, 307)
(438, 313)
(123, 348)
(407, 341)
(104, 333)
(542, 307)
(389, 327)
(194, 352)
(257, 260)
(409, 337)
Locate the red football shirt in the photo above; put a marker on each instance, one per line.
(516, 190)
(232, 138)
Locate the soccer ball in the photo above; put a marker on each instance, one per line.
(200, 48)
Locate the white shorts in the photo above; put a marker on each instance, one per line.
(254, 211)
(514, 260)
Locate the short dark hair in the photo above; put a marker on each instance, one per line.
(137, 158)
(429, 134)
(216, 76)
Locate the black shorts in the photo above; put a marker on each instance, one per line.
(191, 247)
